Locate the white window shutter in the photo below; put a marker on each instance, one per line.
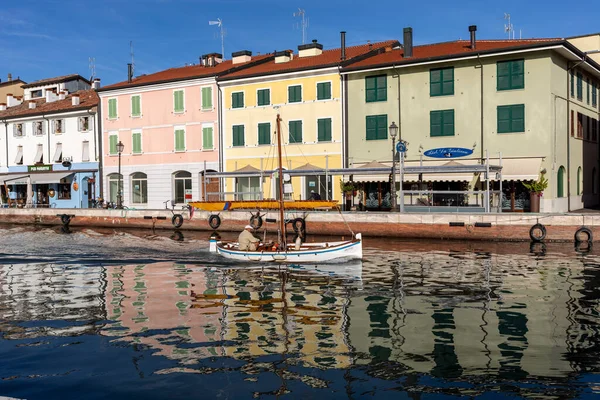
(80, 124)
(43, 127)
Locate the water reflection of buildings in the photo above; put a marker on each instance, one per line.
(192, 313)
(476, 315)
(51, 293)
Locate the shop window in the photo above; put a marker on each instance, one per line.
(64, 191)
(139, 188)
(182, 182)
(113, 186)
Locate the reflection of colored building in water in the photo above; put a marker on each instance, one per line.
(152, 297)
(473, 318)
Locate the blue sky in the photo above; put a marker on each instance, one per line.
(46, 38)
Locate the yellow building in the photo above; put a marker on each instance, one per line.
(305, 88)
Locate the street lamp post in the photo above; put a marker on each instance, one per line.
(393, 133)
(120, 148)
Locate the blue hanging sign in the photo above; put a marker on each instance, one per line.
(448, 152)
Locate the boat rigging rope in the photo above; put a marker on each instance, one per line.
(346, 223)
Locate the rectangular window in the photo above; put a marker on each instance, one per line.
(441, 81)
(588, 90)
(594, 94)
(377, 127)
(511, 74)
(441, 123)
(324, 91)
(324, 130)
(85, 151)
(58, 153)
(595, 126)
(295, 132)
(19, 157)
(83, 124)
(112, 144)
(58, 126)
(136, 144)
(294, 94)
(572, 123)
(263, 97)
(511, 118)
(579, 125)
(207, 138)
(39, 155)
(39, 128)
(112, 108)
(238, 135)
(572, 83)
(136, 106)
(178, 103)
(579, 86)
(207, 98)
(18, 130)
(237, 100)
(376, 88)
(179, 139)
(264, 133)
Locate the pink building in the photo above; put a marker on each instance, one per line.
(168, 123)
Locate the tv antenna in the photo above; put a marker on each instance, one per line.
(92, 67)
(302, 14)
(131, 54)
(508, 27)
(222, 33)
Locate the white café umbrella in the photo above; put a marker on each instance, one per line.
(29, 201)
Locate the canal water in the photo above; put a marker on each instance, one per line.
(124, 314)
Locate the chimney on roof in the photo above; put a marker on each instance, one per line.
(343, 45)
(2, 106)
(212, 59)
(62, 95)
(31, 104)
(12, 101)
(473, 29)
(129, 72)
(75, 100)
(9, 77)
(283, 56)
(310, 49)
(96, 84)
(408, 42)
(241, 56)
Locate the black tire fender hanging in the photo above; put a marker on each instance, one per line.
(214, 221)
(256, 221)
(584, 234)
(299, 225)
(177, 220)
(65, 219)
(537, 233)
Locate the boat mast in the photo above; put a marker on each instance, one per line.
(280, 188)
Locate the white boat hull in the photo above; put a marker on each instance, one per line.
(310, 252)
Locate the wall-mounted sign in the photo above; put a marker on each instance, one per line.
(448, 152)
(39, 168)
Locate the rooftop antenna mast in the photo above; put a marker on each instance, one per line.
(92, 66)
(508, 27)
(301, 13)
(131, 53)
(222, 33)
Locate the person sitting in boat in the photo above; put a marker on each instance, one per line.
(314, 195)
(247, 240)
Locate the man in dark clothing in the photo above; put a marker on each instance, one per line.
(314, 195)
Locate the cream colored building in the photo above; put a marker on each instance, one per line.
(534, 102)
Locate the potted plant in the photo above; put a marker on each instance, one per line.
(347, 188)
(536, 190)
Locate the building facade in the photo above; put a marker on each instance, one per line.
(49, 154)
(11, 86)
(508, 99)
(305, 89)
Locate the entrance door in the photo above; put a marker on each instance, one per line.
(319, 185)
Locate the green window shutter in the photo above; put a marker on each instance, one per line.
(572, 83)
(206, 98)
(441, 123)
(264, 133)
(376, 127)
(510, 74)
(264, 97)
(579, 86)
(294, 94)
(588, 91)
(594, 94)
(435, 123)
(238, 135)
(113, 139)
(178, 101)
(560, 177)
(441, 82)
(503, 75)
(237, 100)
(295, 130)
(324, 91)
(207, 138)
(382, 88)
(324, 130)
(376, 88)
(112, 108)
(382, 127)
(511, 118)
(448, 118)
(137, 143)
(135, 106)
(517, 74)
(179, 140)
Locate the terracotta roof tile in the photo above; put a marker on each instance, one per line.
(87, 99)
(56, 79)
(328, 58)
(446, 49)
(13, 82)
(182, 73)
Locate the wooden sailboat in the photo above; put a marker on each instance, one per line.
(296, 252)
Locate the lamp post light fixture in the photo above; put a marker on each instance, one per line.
(120, 148)
(393, 133)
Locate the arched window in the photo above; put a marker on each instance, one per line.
(139, 188)
(560, 182)
(113, 183)
(594, 183)
(182, 182)
(579, 182)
